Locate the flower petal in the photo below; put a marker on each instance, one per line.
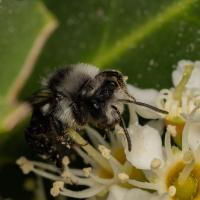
(194, 81)
(194, 136)
(194, 117)
(117, 193)
(147, 96)
(158, 125)
(147, 146)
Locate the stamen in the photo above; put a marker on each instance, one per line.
(172, 130)
(181, 86)
(78, 172)
(78, 180)
(103, 181)
(172, 191)
(123, 177)
(144, 185)
(185, 144)
(155, 163)
(47, 175)
(95, 137)
(87, 159)
(22, 160)
(105, 152)
(168, 147)
(91, 151)
(25, 165)
(185, 173)
(57, 186)
(116, 165)
(87, 171)
(65, 160)
(46, 166)
(87, 193)
(66, 176)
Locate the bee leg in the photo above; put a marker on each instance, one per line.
(61, 140)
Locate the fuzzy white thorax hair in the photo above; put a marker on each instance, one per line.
(70, 84)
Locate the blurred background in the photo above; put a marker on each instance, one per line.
(143, 39)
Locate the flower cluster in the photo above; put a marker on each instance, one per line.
(164, 162)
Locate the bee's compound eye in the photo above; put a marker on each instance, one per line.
(111, 84)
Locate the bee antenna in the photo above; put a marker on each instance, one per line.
(151, 107)
(122, 123)
(143, 104)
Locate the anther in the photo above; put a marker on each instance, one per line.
(65, 160)
(172, 191)
(104, 151)
(172, 130)
(123, 177)
(57, 186)
(87, 171)
(155, 163)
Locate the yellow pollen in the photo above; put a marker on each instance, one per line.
(172, 130)
(87, 171)
(55, 190)
(22, 160)
(65, 160)
(27, 167)
(123, 177)
(104, 151)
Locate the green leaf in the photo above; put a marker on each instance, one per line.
(25, 26)
(141, 38)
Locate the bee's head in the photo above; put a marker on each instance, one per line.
(109, 85)
(105, 90)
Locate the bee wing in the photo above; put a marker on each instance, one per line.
(41, 97)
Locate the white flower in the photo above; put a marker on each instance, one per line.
(144, 149)
(185, 95)
(181, 100)
(176, 173)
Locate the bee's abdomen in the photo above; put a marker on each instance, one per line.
(43, 135)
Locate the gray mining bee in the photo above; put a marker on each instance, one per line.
(71, 98)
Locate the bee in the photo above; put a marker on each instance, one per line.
(72, 97)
